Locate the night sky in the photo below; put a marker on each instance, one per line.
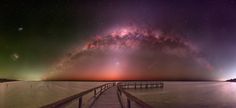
(67, 39)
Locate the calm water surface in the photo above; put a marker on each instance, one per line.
(26, 94)
(190, 95)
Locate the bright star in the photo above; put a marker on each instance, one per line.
(15, 56)
(20, 28)
(117, 63)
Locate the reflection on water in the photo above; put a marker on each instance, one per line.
(190, 95)
(22, 94)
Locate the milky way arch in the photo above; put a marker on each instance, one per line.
(131, 54)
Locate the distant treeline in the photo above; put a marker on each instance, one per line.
(232, 80)
(6, 80)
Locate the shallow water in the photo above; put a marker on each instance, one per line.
(22, 94)
(189, 95)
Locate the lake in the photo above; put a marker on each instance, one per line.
(33, 94)
(189, 95)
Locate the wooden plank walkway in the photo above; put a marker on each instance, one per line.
(108, 99)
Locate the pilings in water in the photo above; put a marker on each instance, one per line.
(142, 84)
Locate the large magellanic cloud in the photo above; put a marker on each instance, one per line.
(133, 53)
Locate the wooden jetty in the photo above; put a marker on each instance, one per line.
(108, 99)
(97, 91)
(110, 95)
(132, 101)
(142, 84)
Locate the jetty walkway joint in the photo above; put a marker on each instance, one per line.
(110, 95)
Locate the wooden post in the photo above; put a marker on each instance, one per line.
(95, 93)
(120, 91)
(80, 102)
(128, 103)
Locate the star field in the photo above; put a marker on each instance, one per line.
(36, 35)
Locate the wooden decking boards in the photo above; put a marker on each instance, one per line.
(108, 99)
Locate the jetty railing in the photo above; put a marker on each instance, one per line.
(136, 85)
(79, 97)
